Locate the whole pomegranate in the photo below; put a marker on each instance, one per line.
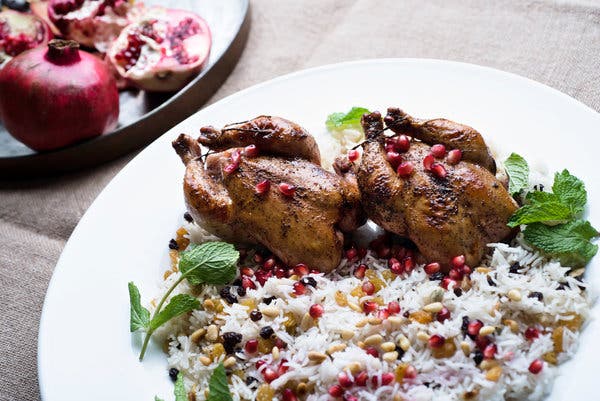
(92, 23)
(56, 96)
(20, 32)
(163, 50)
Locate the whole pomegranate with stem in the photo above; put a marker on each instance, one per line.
(20, 32)
(54, 96)
(92, 23)
(163, 50)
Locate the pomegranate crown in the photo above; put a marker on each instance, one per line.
(63, 52)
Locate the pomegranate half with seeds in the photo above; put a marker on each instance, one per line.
(163, 50)
(92, 23)
(20, 32)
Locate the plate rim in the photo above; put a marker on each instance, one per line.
(131, 164)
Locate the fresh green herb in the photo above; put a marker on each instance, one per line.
(518, 173)
(553, 219)
(158, 399)
(569, 242)
(180, 393)
(208, 263)
(218, 389)
(351, 119)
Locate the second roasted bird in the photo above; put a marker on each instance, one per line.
(264, 185)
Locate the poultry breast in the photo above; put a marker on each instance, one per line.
(265, 186)
(449, 204)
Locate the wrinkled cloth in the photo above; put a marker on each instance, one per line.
(554, 42)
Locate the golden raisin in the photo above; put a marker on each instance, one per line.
(340, 298)
(265, 346)
(400, 370)
(264, 393)
(446, 351)
(550, 357)
(248, 302)
(290, 323)
(388, 275)
(357, 292)
(379, 301)
(573, 324)
(216, 351)
(174, 257)
(373, 277)
(557, 339)
(421, 317)
(494, 373)
(182, 241)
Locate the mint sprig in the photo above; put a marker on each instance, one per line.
(218, 388)
(518, 173)
(351, 119)
(208, 263)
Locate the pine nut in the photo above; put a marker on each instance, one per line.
(275, 353)
(315, 356)
(390, 356)
(487, 330)
(466, 348)
(270, 311)
(483, 270)
(204, 360)
(422, 336)
(212, 333)
(388, 346)
(307, 321)
(355, 307)
(374, 321)
(336, 348)
(347, 334)
(512, 325)
(197, 335)
(403, 342)
(375, 339)
(362, 323)
(514, 295)
(208, 304)
(395, 319)
(433, 307)
(229, 362)
(353, 367)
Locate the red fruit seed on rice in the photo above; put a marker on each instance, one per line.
(336, 391)
(299, 288)
(368, 288)
(251, 346)
(436, 341)
(474, 327)
(288, 395)
(454, 156)
(372, 351)
(432, 268)
(393, 307)
(316, 311)
(438, 150)
(536, 366)
(359, 273)
(458, 261)
(345, 380)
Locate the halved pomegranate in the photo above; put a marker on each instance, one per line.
(20, 32)
(92, 23)
(163, 50)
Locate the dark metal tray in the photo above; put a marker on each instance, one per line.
(143, 116)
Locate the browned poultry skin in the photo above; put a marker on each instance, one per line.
(444, 217)
(273, 135)
(304, 228)
(449, 133)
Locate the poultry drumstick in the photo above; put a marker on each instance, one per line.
(273, 192)
(445, 205)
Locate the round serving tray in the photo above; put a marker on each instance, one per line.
(143, 116)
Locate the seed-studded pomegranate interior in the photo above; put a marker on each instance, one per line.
(20, 32)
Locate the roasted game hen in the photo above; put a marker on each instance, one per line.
(433, 182)
(265, 186)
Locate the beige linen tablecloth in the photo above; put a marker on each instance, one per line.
(554, 42)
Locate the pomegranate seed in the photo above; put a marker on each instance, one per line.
(269, 375)
(438, 150)
(410, 372)
(447, 282)
(353, 155)
(287, 189)
(387, 378)
(345, 380)
(369, 306)
(405, 169)
(532, 333)
(260, 363)
(442, 315)
(536, 366)
(436, 341)
(359, 272)
(438, 170)
(288, 395)
(279, 343)
(490, 351)
(268, 264)
(246, 271)
(397, 268)
(455, 274)
(466, 270)
(280, 273)
(458, 261)
(235, 157)
(372, 351)
(258, 258)
(401, 143)
(361, 379)
(350, 397)
(316, 311)
(230, 168)
(251, 346)
(474, 327)
(262, 276)
(301, 270)
(336, 391)
(299, 288)
(392, 261)
(432, 268)
(315, 271)
(409, 264)
(393, 307)
(248, 283)
(383, 252)
(351, 253)
(262, 187)
(362, 252)
(454, 156)
(482, 342)
(283, 365)
(394, 158)
(428, 162)
(383, 313)
(251, 151)
(368, 287)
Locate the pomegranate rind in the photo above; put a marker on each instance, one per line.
(94, 24)
(156, 69)
(20, 32)
(39, 8)
(48, 106)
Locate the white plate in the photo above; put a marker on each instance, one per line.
(85, 348)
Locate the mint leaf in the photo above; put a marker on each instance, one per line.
(518, 173)
(569, 242)
(570, 190)
(210, 263)
(139, 317)
(180, 393)
(218, 389)
(157, 399)
(179, 305)
(351, 119)
(550, 212)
